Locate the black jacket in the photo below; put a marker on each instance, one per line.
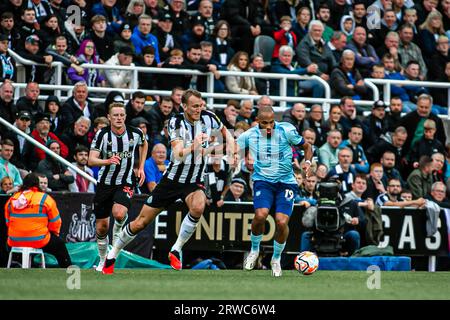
(71, 112)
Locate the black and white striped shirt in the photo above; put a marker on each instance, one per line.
(191, 168)
(109, 144)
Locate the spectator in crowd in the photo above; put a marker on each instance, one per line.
(31, 51)
(99, 123)
(7, 63)
(237, 190)
(42, 135)
(59, 177)
(348, 118)
(166, 40)
(142, 37)
(147, 80)
(421, 179)
(438, 195)
(6, 186)
(7, 169)
(76, 32)
(103, 41)
(299, 154)
(155, 166)
(440, 166)
(323, 14)
(328, 153)
(120, 78)
(41, 9)
(143, 124)
(388, 161)
(284, 65)
(427, 145)
(207, 57)
(246, 20)
(222, 44)
(429, 32)
(359, 11)
(283, 8)
(392, 197)
(334, 119)
(375, 125)
(22, 122)
(395, 112)
(179, 16)
(375, 185)
(49, 30)
(28, 25)
(347, 26)
(8, 109)
(53, 109)
(9, 29)
(394, 142)
(205, 15)
(285, 36)
(157, 116)
(297, 117)
(240, 84)
(194, 35)
(87, 54)
(78, 105)
(30, 102)
(316, 122)
(346, 79)
(36, 232)
(391, 45)
(439, 59)
(359, 161)
(414, 121)
(77, 135)
(307, 194)
(133, 11)
(337, 44)
(58, 50)
(302, 20)
(177, 93)
(81, 184)
(343, 171)
(43, 183)
(109, 10)
(245, 112)
(408, 50)
(365, 55)
(135, 107)
(124, 38)
(228, 115)
(312, 50)
(442, 95)
(153, 9)
(258, 64)
(339, 8)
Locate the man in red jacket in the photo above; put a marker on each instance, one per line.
(42, 134)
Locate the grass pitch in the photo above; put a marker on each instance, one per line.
(136, 284)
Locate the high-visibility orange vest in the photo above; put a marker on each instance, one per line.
(31, 216)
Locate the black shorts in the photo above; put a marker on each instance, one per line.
(106, 196)
(168, 191)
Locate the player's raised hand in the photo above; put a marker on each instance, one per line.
(114, 160)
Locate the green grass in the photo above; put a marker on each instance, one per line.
(221, 285)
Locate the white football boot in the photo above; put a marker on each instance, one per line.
(276, 267)
(250, 262)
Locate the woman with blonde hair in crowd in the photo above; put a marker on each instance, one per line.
(240, 84)
(429, 32)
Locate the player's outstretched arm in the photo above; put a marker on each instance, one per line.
(142, 155)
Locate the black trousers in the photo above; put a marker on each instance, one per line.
(57, 247)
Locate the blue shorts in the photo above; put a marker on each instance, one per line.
(281, 195)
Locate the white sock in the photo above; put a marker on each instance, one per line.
(102, 244)
(117, 227)
(187, 229)
(124, 238)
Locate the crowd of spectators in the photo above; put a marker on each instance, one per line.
(398, 146)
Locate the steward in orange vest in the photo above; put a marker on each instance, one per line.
(33, 220)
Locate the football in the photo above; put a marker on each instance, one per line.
(306, 262)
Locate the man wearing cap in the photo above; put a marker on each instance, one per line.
(124, 39)
(375, 125)
(42, 134)
(237, 190)
(166, 40)
(120, 78)
(7, 63)
(31, 52)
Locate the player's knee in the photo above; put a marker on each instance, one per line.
(259, 219)
(281, 224)
(197, 209)
(119, 215)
